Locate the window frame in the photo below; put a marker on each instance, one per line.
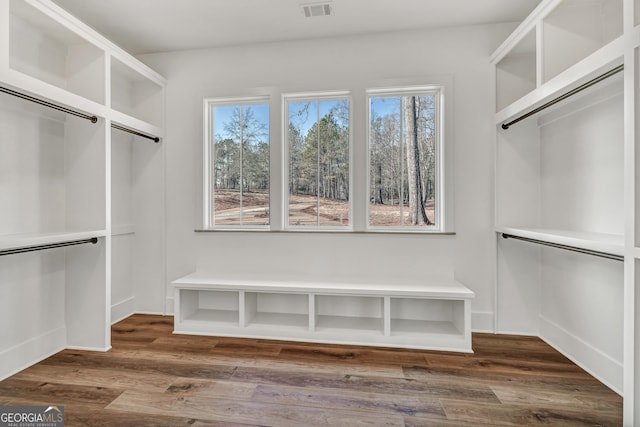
(314, 97)
(208, 217)
(439, 213)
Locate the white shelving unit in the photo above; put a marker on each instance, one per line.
(427, 316)
(564, 183)
(59, 184)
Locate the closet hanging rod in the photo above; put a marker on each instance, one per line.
(92, 240)
(92, 119)
(122, 128)
(566, 95)
(566, 247)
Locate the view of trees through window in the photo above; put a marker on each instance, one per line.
(403, 144)
(240, 178)
(318, 162)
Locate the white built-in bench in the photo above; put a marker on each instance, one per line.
(431, 315)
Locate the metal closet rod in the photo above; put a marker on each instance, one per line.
(92, 240)
(566, 95)
(566, 247)
(122, 128)
(92, 119)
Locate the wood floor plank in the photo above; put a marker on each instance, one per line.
(111, 418)
(370, 384)
(98, 377)
(350, 400)
(203, 388)
(267, 361)
(51, 392)
(518, 415)
(139, 365)
(352, 354)
(246, 412)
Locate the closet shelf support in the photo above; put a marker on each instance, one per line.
(122, 128)
(92, 119)
(566, 247)
(34, 248)
(562, 97)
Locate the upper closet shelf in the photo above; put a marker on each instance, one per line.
(42, 90)
(16, 241)
(580, 73)
(599, 242)
(562, 44)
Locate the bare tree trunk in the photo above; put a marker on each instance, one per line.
(379, 184)
(417, 213)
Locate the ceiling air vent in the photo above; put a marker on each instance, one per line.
(312, 10)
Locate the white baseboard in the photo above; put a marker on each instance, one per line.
(123, 309)
(482, 322)
(597, 363)
(32, 351)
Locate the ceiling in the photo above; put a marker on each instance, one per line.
(147, 26)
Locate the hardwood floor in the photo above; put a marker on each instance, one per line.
(154, 378)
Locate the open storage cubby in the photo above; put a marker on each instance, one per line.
(414, 316)
(516, 72)
(349, 314)
(288, 311)
(575, 29)
(212, 307)
(135, 94)
(42, 48)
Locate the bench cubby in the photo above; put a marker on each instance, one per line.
(431, 316)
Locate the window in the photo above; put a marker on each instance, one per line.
(318, 176)
(237, 163)
(405, 145)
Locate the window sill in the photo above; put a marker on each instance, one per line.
(313, 231)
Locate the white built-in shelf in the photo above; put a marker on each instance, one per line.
(42, 47)
(431, 315)
(576, 29)
(600, 242)
(516, 72)
(15, 241)
(137, 95)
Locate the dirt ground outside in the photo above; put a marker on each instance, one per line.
(303, 210)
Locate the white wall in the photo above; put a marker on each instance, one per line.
(455, 55)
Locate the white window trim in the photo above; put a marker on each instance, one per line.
(314, 96)
(440, 158)
(208, 213)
